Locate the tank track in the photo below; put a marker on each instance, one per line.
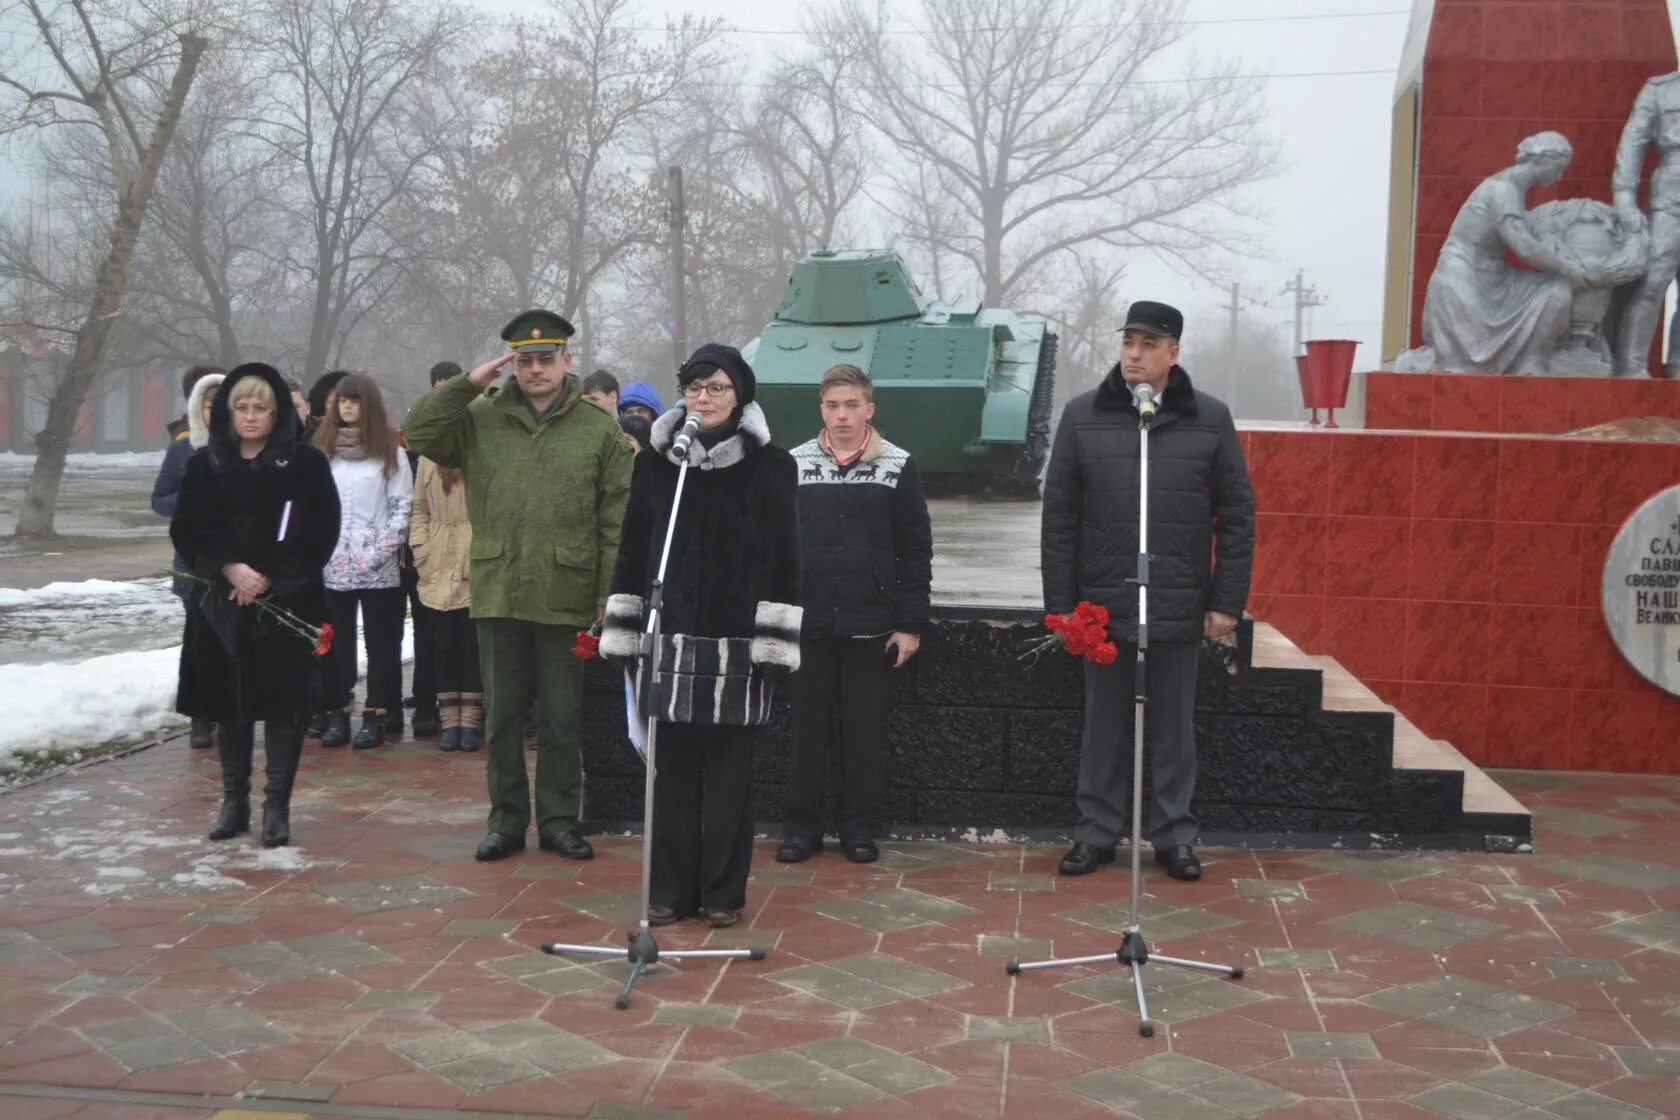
(1017, 470)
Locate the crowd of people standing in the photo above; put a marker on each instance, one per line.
(505, 518)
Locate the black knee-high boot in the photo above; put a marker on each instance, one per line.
(233, 746)
(283, 748)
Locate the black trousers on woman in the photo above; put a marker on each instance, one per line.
(382, 611)
(702, 817)
(455, 637)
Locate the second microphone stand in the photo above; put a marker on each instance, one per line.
(1134, 951)
(643, 949)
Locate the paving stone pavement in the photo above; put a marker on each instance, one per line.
(379, 971)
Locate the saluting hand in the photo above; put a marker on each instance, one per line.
(485, 375)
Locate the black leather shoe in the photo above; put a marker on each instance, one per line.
(797, 849)
(427, 724)
(570, 844)
(719, 917)
(498, 846)
(394, 723)
(203, 735)
(1083, 858)
(661, 915)
(317, 726)
(860, 850)
(1180, 862)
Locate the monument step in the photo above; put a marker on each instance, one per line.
(1413, 750)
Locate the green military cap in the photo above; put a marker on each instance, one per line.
(536, 331)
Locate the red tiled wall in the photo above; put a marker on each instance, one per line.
(1495, 71)
(1458, 577)
(1468, 402)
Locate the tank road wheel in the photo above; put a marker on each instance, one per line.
(1016, 474)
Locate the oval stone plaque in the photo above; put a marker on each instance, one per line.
(1642, 590)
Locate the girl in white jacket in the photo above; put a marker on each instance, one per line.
(376, 494)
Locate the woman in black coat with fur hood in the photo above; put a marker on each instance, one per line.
(257, 518)
(730, 624)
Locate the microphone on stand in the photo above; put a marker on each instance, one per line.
(1144, 397)
(685, 437)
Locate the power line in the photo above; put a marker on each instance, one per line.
(1073, 27)
(1133, 81)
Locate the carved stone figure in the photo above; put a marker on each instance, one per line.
(1481, 315)
(1654, 122)
(1614, 253)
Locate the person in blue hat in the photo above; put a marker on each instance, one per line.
(639, 399)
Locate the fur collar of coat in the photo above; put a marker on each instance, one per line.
(195, 407)
(752, 432)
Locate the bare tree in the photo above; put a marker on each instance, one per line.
(110, 73)
(1089, 345)
(209, 266)
(349, 88)
(555, 188)
(1045, 132)
(809, 141)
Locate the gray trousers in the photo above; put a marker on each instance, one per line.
(1105, 756)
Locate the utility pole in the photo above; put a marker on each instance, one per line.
(679, 309)
(1305, 298)
(1232, 362)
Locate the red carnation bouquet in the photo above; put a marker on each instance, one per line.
(588, 645)
(1082, 632)
(320, 637)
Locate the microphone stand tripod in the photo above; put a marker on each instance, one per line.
(1134, 951)
(643, 950)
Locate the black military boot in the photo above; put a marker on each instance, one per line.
(233, 748)
(203, 734)
(283, 748)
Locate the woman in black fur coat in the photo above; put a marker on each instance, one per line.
(729, 626)
(257, 518)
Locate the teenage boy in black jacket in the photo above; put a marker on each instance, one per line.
(867, 559)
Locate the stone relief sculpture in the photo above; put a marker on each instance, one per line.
(1482, 315)
(1654, 122)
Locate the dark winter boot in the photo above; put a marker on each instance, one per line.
(203, 735)
(233, 748)
(317, 726)
(472, 721)
(337, 733)
(372, 733)
(283, 748)
(393, 721)
(449, 715)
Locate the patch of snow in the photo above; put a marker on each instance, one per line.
(114, 696)
(60, 796)
(121, 872)
(78, 592)
(90, 461)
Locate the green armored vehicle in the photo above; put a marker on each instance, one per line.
(964, 388)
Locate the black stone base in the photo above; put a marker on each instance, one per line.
(983, 746)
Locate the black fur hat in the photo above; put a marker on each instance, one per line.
(715, 355)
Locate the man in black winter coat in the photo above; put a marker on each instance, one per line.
(1200, 503)
(867, 556)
